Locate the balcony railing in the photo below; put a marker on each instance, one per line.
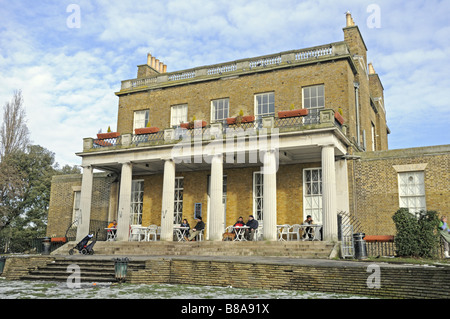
(287, 58)
(173, 135)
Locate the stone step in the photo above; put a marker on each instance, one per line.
(92, 270)
(293, 249)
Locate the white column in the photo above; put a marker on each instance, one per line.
(329, 209)
(85, 202)
(342, 197)
(124, 214)
(168, 200)
(270, 196)
(216, 223)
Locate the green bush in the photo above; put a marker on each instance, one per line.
(416, 235)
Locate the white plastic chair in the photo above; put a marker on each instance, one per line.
(258, 233)
(151, 231)
(136, 233)
(199, 236)
(294, 230)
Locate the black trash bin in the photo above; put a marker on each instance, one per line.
(2, 263)
(360, 246)
(120, 268)
(46, 244)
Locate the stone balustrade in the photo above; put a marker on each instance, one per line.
(283, 59)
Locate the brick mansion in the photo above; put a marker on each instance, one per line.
(279, 137)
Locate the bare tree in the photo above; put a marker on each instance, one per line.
(14, 134)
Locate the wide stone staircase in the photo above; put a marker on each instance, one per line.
(290, 249)
(91, 270)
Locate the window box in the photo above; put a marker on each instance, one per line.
(103, 136)
(193, 124)
(240, 119)
(292, 113)
(339, 117)
(146, 130)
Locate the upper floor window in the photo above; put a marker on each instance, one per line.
(313, 100)
(140, 119)
(265, 104)
(178, 114)
(220, 109)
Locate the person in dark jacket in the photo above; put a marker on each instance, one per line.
(196, 230)
(252, 223)
(240, 222)
(185, 223)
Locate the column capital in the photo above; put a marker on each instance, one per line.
(88, 166)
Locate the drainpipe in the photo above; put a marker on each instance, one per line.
(358, 137)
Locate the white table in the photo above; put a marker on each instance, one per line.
(111, 234)
(315, 232)
(179, 231)
(283, 230)
(240, 232)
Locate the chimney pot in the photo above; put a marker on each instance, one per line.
(371, 69)
(149, 59)
(161, 67)
(350, 21)
(164, 68)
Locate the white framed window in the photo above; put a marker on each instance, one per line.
(411, 189)
(76, 205)
(178, 200)
(220, 109)
(178, 114)
(140, 119)
(258, 198)
(312, 194)
(137, 201)
(314, 101)
(264, 104)
(373, 133)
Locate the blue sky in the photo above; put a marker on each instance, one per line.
(68, 76)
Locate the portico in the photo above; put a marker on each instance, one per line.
(264, 154)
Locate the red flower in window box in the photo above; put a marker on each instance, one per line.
(103, 136)
(339, 117)
(292, 113)
(146, 130)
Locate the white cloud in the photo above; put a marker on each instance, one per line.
(69, 76)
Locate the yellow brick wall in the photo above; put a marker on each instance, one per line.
(287, 84)
(376, 185)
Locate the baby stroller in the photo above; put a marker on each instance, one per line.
(83, 247)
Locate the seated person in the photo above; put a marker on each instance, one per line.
(309, 231)
(253, 226)
(185, 223)
(112, 230)
(196, 230)
(240, 222)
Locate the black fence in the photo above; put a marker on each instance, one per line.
(388, 249)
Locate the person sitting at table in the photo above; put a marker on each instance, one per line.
(196, 230)
(240, 222)
(309, 231)
(112, 229)
(252, 223)
(185, 223)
